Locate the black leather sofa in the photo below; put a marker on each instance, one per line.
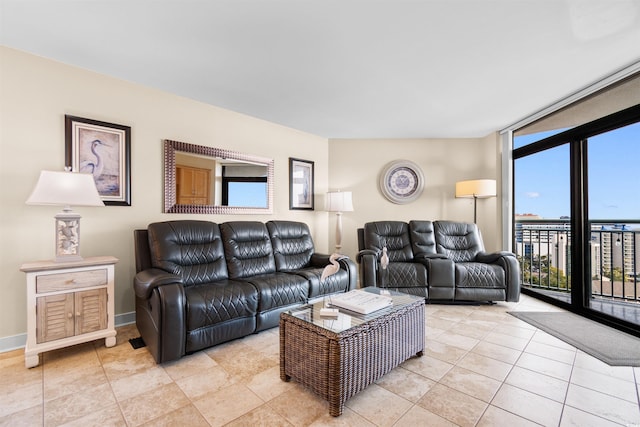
(199, 283)
(439, 260)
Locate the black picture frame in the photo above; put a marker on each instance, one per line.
(301, 189)
(104, 150)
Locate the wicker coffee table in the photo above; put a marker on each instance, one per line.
(336, 358)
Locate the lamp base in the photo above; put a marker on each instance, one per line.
(67, 236)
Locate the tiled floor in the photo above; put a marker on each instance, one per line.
(481, 367)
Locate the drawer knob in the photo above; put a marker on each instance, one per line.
(69, 315)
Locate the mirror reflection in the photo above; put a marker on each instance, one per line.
(200, 179)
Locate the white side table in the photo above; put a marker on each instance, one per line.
(68, 303)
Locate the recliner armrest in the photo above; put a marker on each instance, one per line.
(366, 252)
(424, 256)
(146, 281)
(490, 258)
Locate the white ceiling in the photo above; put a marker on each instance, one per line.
(343, 68)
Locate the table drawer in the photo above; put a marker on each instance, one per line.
(71, 280)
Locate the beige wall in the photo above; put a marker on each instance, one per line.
(36, 93)
(356, 166)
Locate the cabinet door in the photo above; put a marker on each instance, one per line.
(91, 311)
(54, 317)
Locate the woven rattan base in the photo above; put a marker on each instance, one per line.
(336, 366)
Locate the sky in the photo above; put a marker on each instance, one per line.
(542, 180)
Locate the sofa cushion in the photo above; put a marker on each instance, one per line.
(247, 249)
(392, 234)
(279, 290)
(292, 244)
(422, 236)
(478, 275)
(458, 241)
(192, 250)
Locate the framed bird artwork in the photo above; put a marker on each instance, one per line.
(103, 150)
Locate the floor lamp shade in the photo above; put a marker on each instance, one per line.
(338, 202)
(66, 189)
(476, 189)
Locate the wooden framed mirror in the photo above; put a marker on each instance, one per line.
(207, 180)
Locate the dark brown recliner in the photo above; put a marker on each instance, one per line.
(441, 260)
(199, 284)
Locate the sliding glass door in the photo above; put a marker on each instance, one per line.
(577, 216)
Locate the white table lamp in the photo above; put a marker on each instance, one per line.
(66, 189)
(478, 189)
(338, 202)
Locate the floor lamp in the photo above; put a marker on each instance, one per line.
(338, 202)
(478, 189)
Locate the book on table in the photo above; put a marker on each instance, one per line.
(360, 301)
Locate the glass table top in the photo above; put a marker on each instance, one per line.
(347, 319)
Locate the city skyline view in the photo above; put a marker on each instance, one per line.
(542, 183)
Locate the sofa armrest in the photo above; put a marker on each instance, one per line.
(368, 260)
(347, 263)
(490, 258)
(146, 281)
(509, 262)
(420, 256)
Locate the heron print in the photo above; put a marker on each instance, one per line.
(99, 154)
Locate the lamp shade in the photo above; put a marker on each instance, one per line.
(65, 189)
(477, 188)
(339, 201)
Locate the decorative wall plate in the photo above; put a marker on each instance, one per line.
(401, 181)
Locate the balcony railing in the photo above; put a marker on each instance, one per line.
(543, 248)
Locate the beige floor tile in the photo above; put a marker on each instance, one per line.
(563, 355)
(545, 338)
(604, 384)
(127, 387)
(25, 417)
(452, 405)
(497, 352)
(347, 419)
(209, 381)
(516, 343)
(299, 406)
(187, 415)
(110, 416)
(406, 384)
(487, 366)
(586, 361)
(152, 404)
(74, 406)
(545, 366)
(418, 416)
(127, 363)
(445, 352)
(267, 384)
(603, 405)
(262, 416)
(428, 367)
(20, 388)
(457, 340)
(572, 417)
(189, 365)
(227, 404)
(61, 382)
(516, 331)
(379, 405)
(495, 416)
(241, 360)
(528, 405)
(538, 383)
(471, 383)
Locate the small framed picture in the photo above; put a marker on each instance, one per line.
(301, 192)
(103, 150)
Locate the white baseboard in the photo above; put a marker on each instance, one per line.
(15, 342)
